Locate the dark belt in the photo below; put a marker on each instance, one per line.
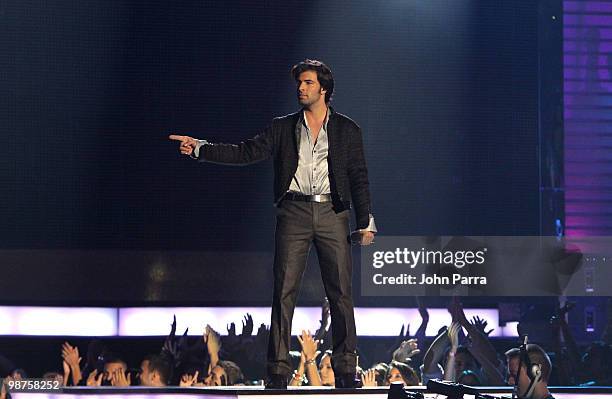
(308, 198)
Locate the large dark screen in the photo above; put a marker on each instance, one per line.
(97, 204)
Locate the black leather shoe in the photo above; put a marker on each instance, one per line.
(276, 381)
(346, 381)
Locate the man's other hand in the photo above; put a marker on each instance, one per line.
(187, 144)
(367, 237)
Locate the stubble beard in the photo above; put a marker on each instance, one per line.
(306, 102)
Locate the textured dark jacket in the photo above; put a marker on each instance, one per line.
(348, 175)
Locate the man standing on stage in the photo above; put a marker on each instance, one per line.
(320, 171)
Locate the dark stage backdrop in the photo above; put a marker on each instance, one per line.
(98, 206)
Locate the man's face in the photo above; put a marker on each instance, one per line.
(309, 90)
(513, 365)
(148, 378)
(216, 378)
(145, 374)
(524, 382)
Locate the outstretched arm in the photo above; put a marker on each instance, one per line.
(453, 337)
(421, 331)
(298, 375)
(481, 347)
(70, 355)
(310, 353)
(435, 353)
(247, 152)
(572, 348)
(480, 342)
(212, 339)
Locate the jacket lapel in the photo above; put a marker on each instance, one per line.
(296, 133)
(331, 134)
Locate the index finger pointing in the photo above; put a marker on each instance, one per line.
(177, 137)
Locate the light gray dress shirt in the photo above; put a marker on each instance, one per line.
(312, 175)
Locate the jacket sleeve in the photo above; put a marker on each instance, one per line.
(253, 150)
(358, 180)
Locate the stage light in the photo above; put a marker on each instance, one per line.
(156, 321)
(29, 320)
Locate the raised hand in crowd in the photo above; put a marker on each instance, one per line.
(212, 339)
(455, 308)
(189, 380)
(402, 337)
(453, 338)
(170, 345)
(406, 351)
(231, 329)
(309, 345)
(568, 337)
(232, 340)
(368, 378)
(247, 326)
(94, 379)
(261, 339)
(421, 331)
(481, 325)
(120, 378)
(310, 352)
(70, 355)
(567, 355)
(432, 362)
(173, 348)
(66, 374)
(256, 350)
(299, 374)
(481, 348)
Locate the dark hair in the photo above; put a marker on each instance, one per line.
(53, 375)
(324, 75)
(161, 366)
(234, 374)
(513, 353)
(21, 372)
(112, 358)
(327, 352)
(381, 373)
(408, 374)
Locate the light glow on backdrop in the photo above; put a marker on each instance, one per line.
(156, 321)
(587, 31)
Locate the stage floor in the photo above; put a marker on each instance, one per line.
(260, 393)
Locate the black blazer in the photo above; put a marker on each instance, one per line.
(348, 175)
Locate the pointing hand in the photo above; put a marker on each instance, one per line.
(187, 144)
